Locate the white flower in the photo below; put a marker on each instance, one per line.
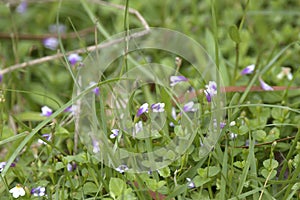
(115, 133)
(233, 136)
(17, 191)
(158, 107)
(285, 71)
(233, 123)
(122, 168)
(190, 183)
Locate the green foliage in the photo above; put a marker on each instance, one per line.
(256, 157)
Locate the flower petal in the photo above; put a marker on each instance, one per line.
(248, 70)
(264, 85)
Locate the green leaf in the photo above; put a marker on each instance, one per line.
(270, 164)
(116, 187)
(213, 171)
(266, 173)
(59, 165)
(79, 158)
(234, 34)
(164, 172)
(259, 135)
(90, 187)
(199, 181)
(243, 130)
(239, 164)
(30, 116)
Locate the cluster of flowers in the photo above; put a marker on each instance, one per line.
(18, 190)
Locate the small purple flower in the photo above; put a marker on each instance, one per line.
(46, 136)
(190, 183)
(22, 7)
(1, 77)
(158, 107)
(74, 58)
(46, 111)
(122, 168)
(248, 70)
(3, 164)
(142, 109)
(189, 107)
(51, 43)
(115, 133)
(96, 90)
(264, 85)
(71, 167)
(222, 125)
(38, 191)
(96, 147)
(177, 79)
(72, 109)
(211, 90)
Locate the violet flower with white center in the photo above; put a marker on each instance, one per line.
(17, 191)
(74, 58)
(222, 124)
(285, 71)
(72, 109)
(46, 136)
(2, 165)
(38, 191)
(142, 109)
(264, 85)
(122, 168)
(211, 90)
(248, 70)
(22, 7)
(115, 133)
(158, 107)
(189, 107)
(51, 43)
(177, 79)
(71, 167)
(46, 111)
(190, 183)
(96, 90)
